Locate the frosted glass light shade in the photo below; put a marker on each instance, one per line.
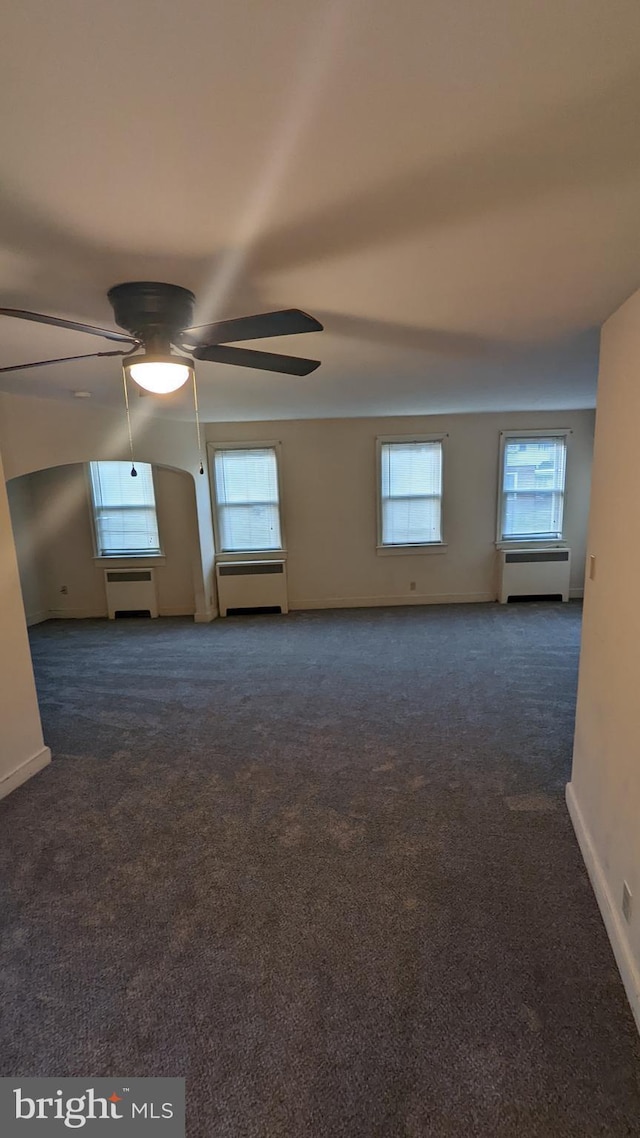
(160, 375)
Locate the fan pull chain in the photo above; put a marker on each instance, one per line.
(134, 472)
(195, 407)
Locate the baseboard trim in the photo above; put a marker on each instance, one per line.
(78, 614)
(613, 921)
(24, 772)
(204, 617)
(88, 614)
(576, 594)
(379, 602)
(37, 617)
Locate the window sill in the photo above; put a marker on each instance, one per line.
(138, 560)
(408, 550)
(532, 543)
(253, 555)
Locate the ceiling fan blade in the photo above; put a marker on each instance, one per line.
(264, 361)
(288, 322)
(58, 322)
(62, 360)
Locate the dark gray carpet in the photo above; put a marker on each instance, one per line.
(321, 866)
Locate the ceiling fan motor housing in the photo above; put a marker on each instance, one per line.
(153, 312)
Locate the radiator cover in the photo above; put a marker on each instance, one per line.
(533, 572)
(251, 584)
(130, 590)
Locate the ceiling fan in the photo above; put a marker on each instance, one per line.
(157, 318)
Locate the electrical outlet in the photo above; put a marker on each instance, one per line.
(592, 568)
(627, 897)
(64, 590)
(412, 586)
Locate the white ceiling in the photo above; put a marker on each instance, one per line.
(453, 188)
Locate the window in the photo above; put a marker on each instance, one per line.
(532, 486)
(247, 500)
(124, 510)
(410, 481)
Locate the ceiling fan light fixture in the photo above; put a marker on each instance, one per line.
(159, 374)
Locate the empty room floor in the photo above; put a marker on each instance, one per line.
(321, 866)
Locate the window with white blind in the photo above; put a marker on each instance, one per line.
(531, 502)
(410, 492)
(247, 500)
(124, 510)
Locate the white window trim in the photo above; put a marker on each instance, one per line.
(423, 547)
(279, 554)
(141, 560)
(531, 542)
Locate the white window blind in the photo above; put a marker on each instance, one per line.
(533, 478)
(124, 509)
(246, 486)
(411, 492)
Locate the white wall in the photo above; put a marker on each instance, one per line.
(604, 793)
(178, 527)
(22, 749)
(328, 476)
(31, 562)
(52, 526)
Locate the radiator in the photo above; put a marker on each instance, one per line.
(534, 572)
(130, 590)
(251, 585)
